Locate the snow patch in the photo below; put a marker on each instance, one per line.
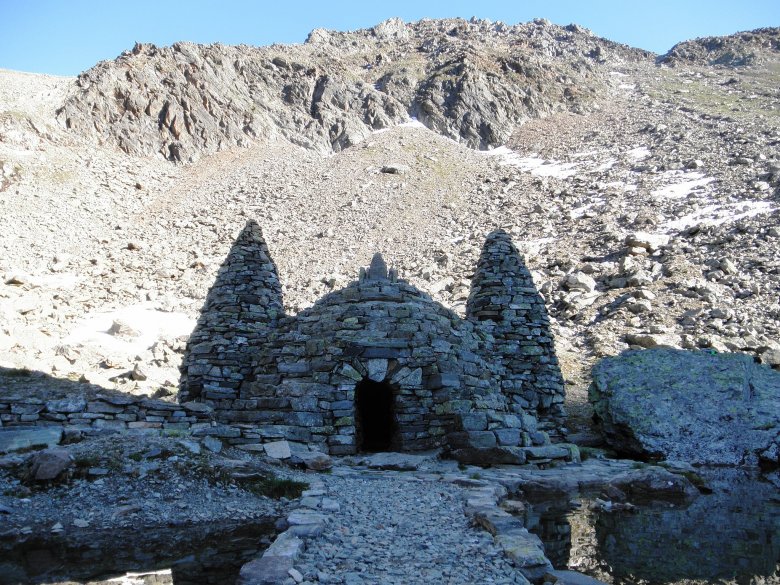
(411, 123)
(639, 153)
(683, 188)
(720, 214)
(605, 166)
(538, 167)
(151, 324)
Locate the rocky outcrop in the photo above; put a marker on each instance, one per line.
(471, 81)
(746, 48)
(699, 407)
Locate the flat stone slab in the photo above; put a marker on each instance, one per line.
(278, 450)
(636, 479)
(273, 567)
(570, 578)
(393, 461)
(24, 438)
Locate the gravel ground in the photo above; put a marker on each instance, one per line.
(401, 528)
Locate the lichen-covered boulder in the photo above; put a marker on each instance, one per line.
(694, 406)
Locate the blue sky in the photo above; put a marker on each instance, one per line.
(67, 36)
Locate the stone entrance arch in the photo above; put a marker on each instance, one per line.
(376, 426)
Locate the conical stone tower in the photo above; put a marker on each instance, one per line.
(242, 305)
(506, 302)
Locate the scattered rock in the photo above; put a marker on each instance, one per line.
(212, 444)
(121, 329)
(395, 169)
(647, 241)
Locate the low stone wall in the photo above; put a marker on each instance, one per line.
(113, 412)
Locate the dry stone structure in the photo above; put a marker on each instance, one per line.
(379, 365)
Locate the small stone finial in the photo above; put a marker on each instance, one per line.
(378, 268)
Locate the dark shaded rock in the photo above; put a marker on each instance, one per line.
(570, 578)
(315, 460)
(490, 456)
(697, 407)
(67, 405)
(394, 461)
(49, 464)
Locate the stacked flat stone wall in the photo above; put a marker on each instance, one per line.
(116, 412)
(490, 381)
(379, 330)
(505, 301)
(242, 304)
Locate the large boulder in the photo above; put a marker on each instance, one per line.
(694, 406)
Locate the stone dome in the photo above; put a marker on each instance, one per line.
(378, 333)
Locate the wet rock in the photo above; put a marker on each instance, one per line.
(697, 407)
(653, 483)
(274, 566)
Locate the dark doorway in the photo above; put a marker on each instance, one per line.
(375, 421)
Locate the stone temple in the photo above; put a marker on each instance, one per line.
(379, 365)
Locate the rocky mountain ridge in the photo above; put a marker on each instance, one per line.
(470, 81)
(737, 50)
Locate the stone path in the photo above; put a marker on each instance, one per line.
(401, 528)
(394, 518)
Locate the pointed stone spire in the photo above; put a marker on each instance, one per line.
(378, 268)
(241, 306)
(247, 285)
(502, 283)
(503, 291)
